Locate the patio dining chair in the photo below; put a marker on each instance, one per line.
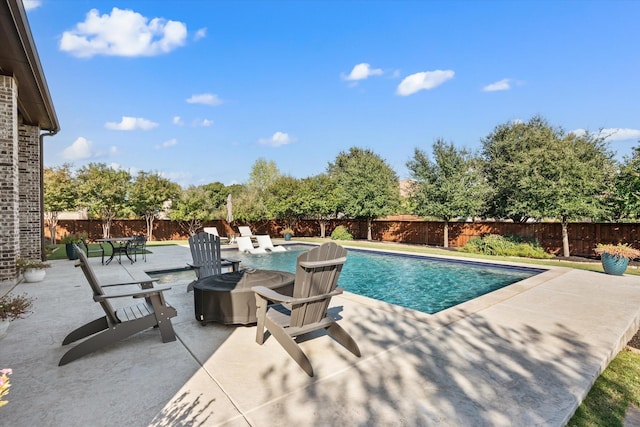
(89, 251)
(138, 246)
(150, 311)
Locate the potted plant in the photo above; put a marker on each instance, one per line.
(69, 240)
(13, 307)
(32, 270)
(287, 233)
(615, 258)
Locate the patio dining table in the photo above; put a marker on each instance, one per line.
(119, 246)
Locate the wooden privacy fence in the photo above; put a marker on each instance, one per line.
(583, 237)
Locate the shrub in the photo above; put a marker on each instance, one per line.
(14, 307)
(493, 244)
(341, 233)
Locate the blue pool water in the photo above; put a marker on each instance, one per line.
(428, 285)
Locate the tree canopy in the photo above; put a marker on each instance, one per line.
(60, 195)
(368, 185)
(104, 192)
(450, 186)
(149, 192)
(537, 171)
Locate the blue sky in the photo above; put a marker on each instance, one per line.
(198, 90)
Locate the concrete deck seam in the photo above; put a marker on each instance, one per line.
(210, 375)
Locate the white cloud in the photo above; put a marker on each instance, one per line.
(200, 34)
(362, 71)
(123, 33)
(504, 84)
(80, 149)
(612, 134)
(131, 123)
(205, 123)
(276, 140)
(177, 120)
(31, 4)
(167, 144)
(205, 98)
(423, 81)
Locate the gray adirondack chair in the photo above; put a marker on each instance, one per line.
(207, 258)
(119, 324)
(317, 273)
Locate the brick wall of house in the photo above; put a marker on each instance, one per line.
(9, 178)
(29, 176)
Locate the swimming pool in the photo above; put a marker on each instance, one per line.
(420, 283)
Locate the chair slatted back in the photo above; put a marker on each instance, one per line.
(205, 251)
(91, 277)
(313, 281)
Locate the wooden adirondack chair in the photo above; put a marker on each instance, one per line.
(118, 324)
(317, 273)
(207, 258)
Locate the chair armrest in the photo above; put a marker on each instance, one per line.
(143, 293)
(270, 294)
(194, 266)
(231, 260)
(138, 282)
(318, 264)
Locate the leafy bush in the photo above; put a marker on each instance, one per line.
(341, 233)
(493, 244)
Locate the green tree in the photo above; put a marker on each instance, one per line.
(451, 186)
(104, 191)
(59, 195)
(282, 199)
(149, 192)
(368, 187)
(318, 200)
(218, 193)
(538, 171)
(250, 204)
(625, 199)
(263, 173)
(192, 209)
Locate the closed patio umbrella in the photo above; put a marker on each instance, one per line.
(229, 210)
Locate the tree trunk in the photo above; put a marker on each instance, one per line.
(149, 226)
(323, 228)
(106, 228)
(446, 233)
(565, 236)
(369, 221)
(51, 218)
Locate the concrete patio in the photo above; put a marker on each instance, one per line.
(524, 355)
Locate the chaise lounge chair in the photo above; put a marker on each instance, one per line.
(150, 311)
(264, 241)
(246, 245)
(207, 258)
(214, 231)
(317, 273)
(245, 231)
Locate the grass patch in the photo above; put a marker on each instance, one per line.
(613, 392)
(59, 251)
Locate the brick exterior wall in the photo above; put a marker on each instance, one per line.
(29, 176)
(20, 184)
(9, 178)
